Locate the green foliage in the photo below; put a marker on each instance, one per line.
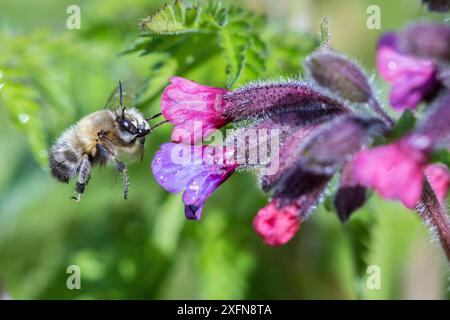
(405, 124)
(190, 36)
(441, 155)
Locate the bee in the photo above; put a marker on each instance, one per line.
(97, 139)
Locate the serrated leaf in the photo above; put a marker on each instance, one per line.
(174, 20)
(192, 35)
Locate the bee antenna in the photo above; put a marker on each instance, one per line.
(121, 93)
(153, 117)
(158, 124)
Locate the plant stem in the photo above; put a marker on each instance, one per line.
(380, 111)
(434, 215)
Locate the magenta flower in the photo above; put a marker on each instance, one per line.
(411, 78)
(277, 225)
(198, 170)
(439, 178)
(194, 109)
(395, 171)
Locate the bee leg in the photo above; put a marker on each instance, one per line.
(126, 180)
(84, 170)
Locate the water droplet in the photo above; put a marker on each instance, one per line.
(392, 65)
(23, 117)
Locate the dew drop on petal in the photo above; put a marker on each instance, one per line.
(392, 65)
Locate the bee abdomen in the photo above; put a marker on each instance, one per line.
(63, 162)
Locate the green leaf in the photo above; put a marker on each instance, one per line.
(404, 125)
(442, 156)
(174, 20)
(192, 35)
(244, 50)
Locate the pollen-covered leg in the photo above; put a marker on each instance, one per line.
(83, 177)
(126, 180)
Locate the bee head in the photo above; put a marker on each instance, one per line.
(131, 125)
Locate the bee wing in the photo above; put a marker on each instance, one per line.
(120, 98)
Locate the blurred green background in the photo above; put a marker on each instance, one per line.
(144, 248)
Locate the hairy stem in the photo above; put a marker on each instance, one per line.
(380, 111)
(434, 215)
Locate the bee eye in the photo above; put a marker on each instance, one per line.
(128, 126)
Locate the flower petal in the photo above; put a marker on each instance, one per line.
(190, 106)
(411, 78)
(178, 167)
(395, 171)
(439, 177)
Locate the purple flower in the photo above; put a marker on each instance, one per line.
(414, 62)
(411, 78)
(198, 170)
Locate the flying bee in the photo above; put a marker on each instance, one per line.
(99, 138)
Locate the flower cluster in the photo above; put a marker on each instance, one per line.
(415, 61)
(315, 128)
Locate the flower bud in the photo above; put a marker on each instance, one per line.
(436, 125)
(437, 5)
(260, 100)
(277, 225)
(350, 196)
(340, 75)
(427, 40)
(333, 144)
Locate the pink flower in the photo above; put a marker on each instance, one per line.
(194, 109)
(439, 178)
(277, 225)
(395, 171)
(411, 78)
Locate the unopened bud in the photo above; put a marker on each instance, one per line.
(340, 75)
